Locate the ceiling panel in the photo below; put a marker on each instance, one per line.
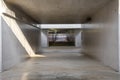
(59, 11)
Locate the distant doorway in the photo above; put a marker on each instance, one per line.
(61, 37)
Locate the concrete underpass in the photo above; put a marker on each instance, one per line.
(59, 40)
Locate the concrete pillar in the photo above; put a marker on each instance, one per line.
(0, 44)
(39, 41)
(44, 39)
(0, 36)
(78, 38)
(119, 36)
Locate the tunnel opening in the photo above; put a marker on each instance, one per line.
(58, 37)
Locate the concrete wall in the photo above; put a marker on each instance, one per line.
(102, 42)
(0, 45)
(17, 39)
(12, 50)
(44, 39)
(77, 38)
(32, 35)
(119, 35)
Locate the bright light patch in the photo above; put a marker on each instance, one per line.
(2, 10)
(17, 31)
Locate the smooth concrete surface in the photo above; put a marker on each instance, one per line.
(44, 39)
(78, 41)
(0, 44)
(32, 35)
(102, 43)
(60, 66)
(59, 11)
(119, 33)
(60, 26)
(12, 50)
(61, 49)
(15, 47)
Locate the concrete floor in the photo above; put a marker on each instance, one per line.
(60, 66)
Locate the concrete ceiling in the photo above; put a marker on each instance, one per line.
(59, 11)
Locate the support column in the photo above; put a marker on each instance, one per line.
(0, 36)
(44, 39)
(119, 35)
(0, 43)
(77, 38)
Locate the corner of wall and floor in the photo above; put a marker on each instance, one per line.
(16, 43)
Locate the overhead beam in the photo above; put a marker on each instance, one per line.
(60, 26)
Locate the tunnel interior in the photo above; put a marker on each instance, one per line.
(97, 36)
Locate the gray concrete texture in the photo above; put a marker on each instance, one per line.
(61, 49)
(60, 66)
(12, 50)
(59, 11)
(44, 39)
(102, 43)
(32, 35)
(0, 44)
